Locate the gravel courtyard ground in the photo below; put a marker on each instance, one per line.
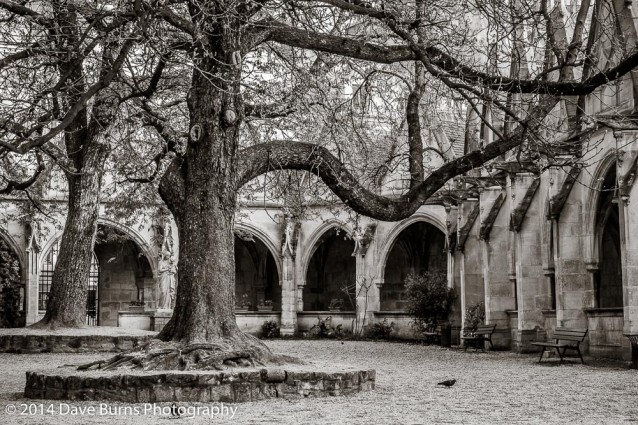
(492, 387)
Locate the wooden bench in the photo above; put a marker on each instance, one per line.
(479, 336)
(574, 338)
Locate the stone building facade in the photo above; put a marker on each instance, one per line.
(558, 248)
(538, 250)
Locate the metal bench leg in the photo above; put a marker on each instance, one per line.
(542, 352)
(560, 354)
(580, 355)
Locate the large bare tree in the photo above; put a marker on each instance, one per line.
(511, 62)
(200, 186)
(65, 70)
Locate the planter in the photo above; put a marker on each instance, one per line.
(333, 309)
(265, 307)
(136, 308)
(241, 309)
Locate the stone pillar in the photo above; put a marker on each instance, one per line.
(31, 285)
(628, 208)
(451, 220)
(472, 289)
(530, 281)
(462, 291)
(361, 295)
(499, 291)
(365, 284)
(289, 296)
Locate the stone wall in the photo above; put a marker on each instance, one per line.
(231, 387)
(29, 344)
(606, 332)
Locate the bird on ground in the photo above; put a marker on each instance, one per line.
(447, 383)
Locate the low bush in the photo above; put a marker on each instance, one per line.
(381, 330)
(324, 329)
(429, 299)
(270, 329)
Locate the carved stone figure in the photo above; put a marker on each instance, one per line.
(290, 236)
(167, 272)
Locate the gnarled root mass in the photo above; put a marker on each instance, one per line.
(158, 355)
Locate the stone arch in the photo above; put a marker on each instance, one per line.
(19, 297)
(141, 243)
(125, 272)
(266, 240)
(592, 251)
(328, 265)
(22, 258)
(420, 216)
(257, 269)
(417, 248)
(316, 235)
(45, 269)
(607, 275)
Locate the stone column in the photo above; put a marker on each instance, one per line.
(499, 291)
(288, 296)
(451, 220)
(361, 295)
(626, 173)
(364, 283)
(32, 273)
(31, 285)
(530, 287)
(472, 289)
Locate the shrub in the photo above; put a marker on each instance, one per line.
(10, 306)
(381, 330)
(324, 329)
(429, 300)
(270, 329)
(474, 316)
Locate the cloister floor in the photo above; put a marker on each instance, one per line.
(492, 387)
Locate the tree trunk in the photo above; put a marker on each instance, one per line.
(200, 189)
(66, 306)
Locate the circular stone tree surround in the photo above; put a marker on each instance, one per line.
(202, 386)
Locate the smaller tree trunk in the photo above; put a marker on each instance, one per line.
(66, 306)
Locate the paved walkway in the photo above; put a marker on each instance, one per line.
(496, 387)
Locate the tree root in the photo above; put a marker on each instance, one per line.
(171, 356)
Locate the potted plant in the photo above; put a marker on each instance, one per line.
(242, 303)
(137, 305)
(336, 304)
(265, 305)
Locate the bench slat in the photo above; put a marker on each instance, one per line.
(486, 327)
(569, 338)
(562, 328)
(570, 333)
(553, 344)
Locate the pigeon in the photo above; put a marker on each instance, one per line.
(447, 383)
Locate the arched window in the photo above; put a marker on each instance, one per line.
(256, 276)
(46, 277)
(12, 299)
(420, 247)
(331, 275)
(608, 278)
